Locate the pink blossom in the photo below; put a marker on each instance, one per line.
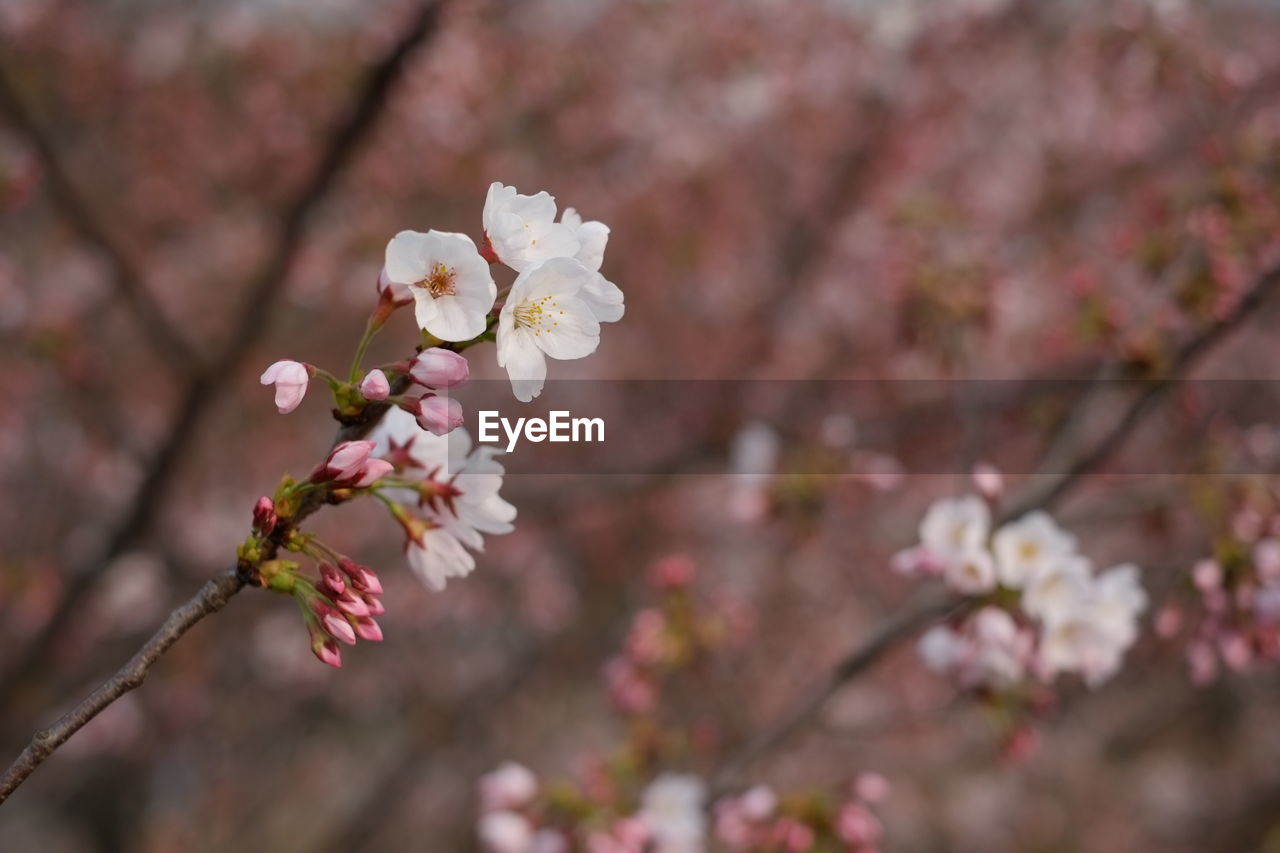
(511, 786)
(437, 414)
(367, 629)
(672, 572)
(291, 379)
(264, 516)
(375, 386)
(439, 368)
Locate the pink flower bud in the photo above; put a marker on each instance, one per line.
(398, 292)
(264, 516)
(988, 480)
(367, 629)
(373, 471)
(439, 368)
(1207, 575)
(337, 626)
(362, 577)
(375, 605)
(332, 580)
(511, 786)
(347, 460)
(327, 651)
(349, 465)
(350, 603)
(672, 572)
(872, 787)
(855, 825)
(290, 379)
(438, 415)
(375, 386)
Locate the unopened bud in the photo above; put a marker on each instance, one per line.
(264, 516)
(437, 414)
(439, 368)
(375, 386)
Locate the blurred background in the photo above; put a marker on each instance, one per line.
(974, 189)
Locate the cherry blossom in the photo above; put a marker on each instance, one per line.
(450, 282)
(544, 315)
(521, 230)
(291, 379)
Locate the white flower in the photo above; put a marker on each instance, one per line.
(436, 556)
(603, 296)
(954, 527)
(672, 810)
(511, 786)
(1025, 546)
(459, 497)
(1000, 649)
(450, 282)
(942, 649)
(1118, 599)
(971, 573)
(1093, 638)
(521, 229)
(505, 832)
(1057, 587)
(544, 315)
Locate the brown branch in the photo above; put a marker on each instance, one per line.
(212, 597)
(917, 615)
(1184, 360)
(927, 609)
(264, 294)
(79, 214)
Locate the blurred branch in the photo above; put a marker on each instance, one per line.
(928, 607)
(264, 293)
(1184, 360)
(918, 614)
(212, 597)
(126, 277)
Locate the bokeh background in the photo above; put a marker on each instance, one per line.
(796, 190)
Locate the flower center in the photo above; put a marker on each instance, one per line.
(439, 282)
(538, 314)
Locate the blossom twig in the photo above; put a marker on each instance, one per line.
(212, 597)
(264, 293)
(917, 615)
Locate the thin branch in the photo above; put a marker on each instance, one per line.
(917, 615)
(264, 293)
(212, 597)
(1154, 390)
(930, 607)
(79, 214)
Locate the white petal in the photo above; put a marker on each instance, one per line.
(525, 364)
(574, 333)
(404, 263)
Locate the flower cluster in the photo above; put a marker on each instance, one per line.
(454, 490)
(663, 640)
(1236, 621)
(442, 493)
(632, 801)
(1041, 609)
(757, 820)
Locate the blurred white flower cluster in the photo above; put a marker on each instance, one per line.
(1043, 610)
